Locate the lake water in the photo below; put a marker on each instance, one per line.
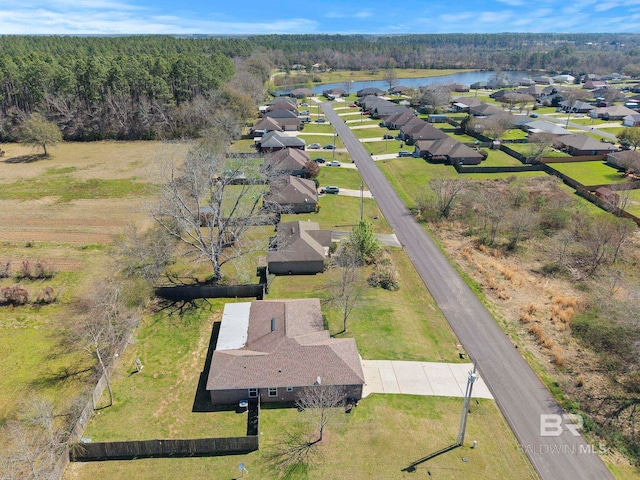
(466, 78)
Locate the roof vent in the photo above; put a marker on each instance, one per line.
(273, 324)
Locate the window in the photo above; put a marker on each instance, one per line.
(273, 392)
(289, 389)
(253, 392)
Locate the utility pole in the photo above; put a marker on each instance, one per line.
(465, 406)
(334, 144)
(361, 202)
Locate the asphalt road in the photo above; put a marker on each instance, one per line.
(520, 395)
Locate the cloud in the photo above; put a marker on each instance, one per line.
(341, 14)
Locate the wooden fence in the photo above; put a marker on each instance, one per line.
(200, 447)
(581, 158)
(187, 293)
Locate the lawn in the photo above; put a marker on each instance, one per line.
(382, 436)
(376, 132)
(321, 139)
(353, 122)
(316, 128)
(590, 173)
(633, 206)
(514, 134)
(378, 74)
(339, 212)
(383, 146)
(498, 158)
(342, 177)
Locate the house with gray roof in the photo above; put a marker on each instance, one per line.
(274, 141)
(301, 93)
(539, 126)
(299, 248)
(484, 110)
(291, 194)
(614, 112)
(271, 349)
(631, 120)
(580, 145)
(398, 120)
(369, 91)
(448, 150)
(425, 131)
(265, 125)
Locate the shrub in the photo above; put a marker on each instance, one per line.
(46, 296)
(385, 275)
(42, 269)
(5, 269)
(25, 270)
(14, 295)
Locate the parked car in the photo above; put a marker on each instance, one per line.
(334, 163)
(329, 147)
(330, 189)
(353, 105)
(319, 160)
(387, 136)
(534, 115)
(304, 112)
(320, 120)
(404, 153)
(314, 146)
(304, 104)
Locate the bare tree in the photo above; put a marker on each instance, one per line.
(297, 449)
(447, 192)
(435, 96)
(346, 291)
(539, 143)
(101, 325)
(146, 254)
(518, 223)
(322, 403)
(390, 77)
(210, 205)
(33, 442)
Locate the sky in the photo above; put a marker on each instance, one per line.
(100, 17)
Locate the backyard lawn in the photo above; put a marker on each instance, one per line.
(498, 158)
(590, 173)
(342, 177)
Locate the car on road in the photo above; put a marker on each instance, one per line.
(314, 146)
(387, 136)
(319, 160)
(329, 147)
(330, 189)
(320, 120)
(334, 163)
(404, 153)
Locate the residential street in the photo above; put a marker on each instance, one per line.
(519, 393)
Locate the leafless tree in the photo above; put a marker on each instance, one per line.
(101, 325)
(495, 125)
(447, 192)
(539, 143)
(518, 223)
(322, 403)
(435, 96)
(146, 254)
(321, 406)
(33, 442)
(390, 77)
(210, 205)
(346, 291)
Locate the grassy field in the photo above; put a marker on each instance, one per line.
(66, 210)
(634, 202)
(590, 173)
(376, 132)
(383, 147)
(321, 139)
(497, 158)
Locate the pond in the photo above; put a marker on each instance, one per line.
(466, 78)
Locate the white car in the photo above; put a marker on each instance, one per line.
(334, 163)
(314, 146)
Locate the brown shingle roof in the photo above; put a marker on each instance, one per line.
(295, 353)
(292, 190)
(300, 241)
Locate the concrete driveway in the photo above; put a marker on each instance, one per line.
(420, 378)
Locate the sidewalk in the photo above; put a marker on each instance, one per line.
(420, 378)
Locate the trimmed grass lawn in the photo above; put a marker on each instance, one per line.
(342, 177)
(380, 437)
(384, 146)
(514, 134)
(376, 132)
(353, 122)
(590, 173)
(378, 74)
(410, 176)
(338, 212)
(321, 139)
(316, 128)
(498, 158)
(633, 206)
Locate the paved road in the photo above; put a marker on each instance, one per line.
(519, 393)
